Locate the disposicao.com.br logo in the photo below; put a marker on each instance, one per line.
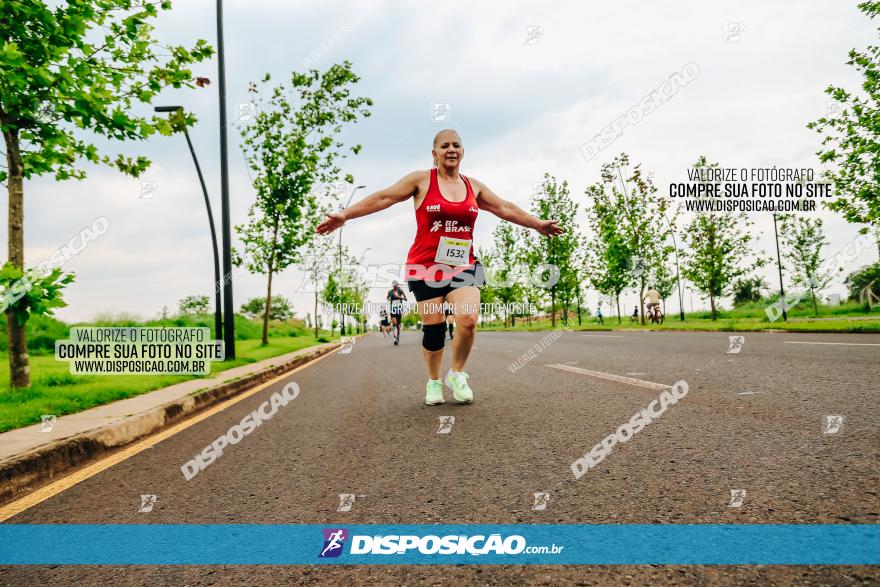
(479, 544)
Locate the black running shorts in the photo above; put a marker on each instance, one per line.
(426, 290)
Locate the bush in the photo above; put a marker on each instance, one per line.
(194, 305)
(42, 332)
(860, 279)
(748, 290)
(279, 310)
(41, 344)
(111, 319)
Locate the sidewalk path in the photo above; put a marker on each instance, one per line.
(29, 455)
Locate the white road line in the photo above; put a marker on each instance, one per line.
(838, 343)
(749, 392)
(612, 377)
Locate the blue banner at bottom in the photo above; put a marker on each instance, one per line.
(518, 544)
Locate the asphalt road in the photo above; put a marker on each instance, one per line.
(752, 420)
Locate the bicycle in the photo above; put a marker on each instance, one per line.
(656, 315)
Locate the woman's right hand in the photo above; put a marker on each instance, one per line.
(334, 220)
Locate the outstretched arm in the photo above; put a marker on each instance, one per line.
(506, 210)
(399, 192)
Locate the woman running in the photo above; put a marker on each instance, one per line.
(441, 270)
(384, 324)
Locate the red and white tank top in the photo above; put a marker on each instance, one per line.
(443, 246)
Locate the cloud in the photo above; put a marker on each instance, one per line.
(522, 109)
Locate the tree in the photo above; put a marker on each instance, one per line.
(554, 201)
(720, 244)
(502, 268)
(640, 225)
(628, 233)
(606, 257)
(33, 295)
(494, 280)
(747, 290)
(575, 278)
(353, 289)
(346, 290)
(410, 319)
(864, 280)
(80, 65)
(194, 305)
(316, 265)
(664, 281)
(291, 146)
(530, 260)
(333, 296)
(281, 308)
(851, 145)
(802, 242)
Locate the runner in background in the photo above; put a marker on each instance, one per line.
(395, 298)
(384, 324)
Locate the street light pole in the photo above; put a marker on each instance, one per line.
(218, 324)
(339, 256)
(678, 277)
(677, 271)
(779, 265)
(228, 308)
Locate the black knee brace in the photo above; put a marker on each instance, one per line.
(434, 336)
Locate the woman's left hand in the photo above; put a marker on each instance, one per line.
(549, 228)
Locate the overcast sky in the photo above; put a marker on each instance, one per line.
(523, 98)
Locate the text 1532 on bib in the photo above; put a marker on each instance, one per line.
(453, 251)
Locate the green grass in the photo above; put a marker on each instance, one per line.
(849, 317)
(745, 325)
(55, 391)
(802, 310)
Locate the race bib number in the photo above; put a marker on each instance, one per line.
(453, 251)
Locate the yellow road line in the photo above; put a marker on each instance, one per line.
(65, 483)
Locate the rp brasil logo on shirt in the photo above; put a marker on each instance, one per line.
(449, 226)
(334, 541)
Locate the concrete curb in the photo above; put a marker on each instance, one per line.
(24, 472)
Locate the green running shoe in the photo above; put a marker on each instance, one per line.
(434, 395)
(460, 389)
